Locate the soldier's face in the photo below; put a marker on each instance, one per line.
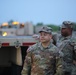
(45, 37)
(65, 32)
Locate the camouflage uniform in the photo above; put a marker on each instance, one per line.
(40, 60)
(67, 47)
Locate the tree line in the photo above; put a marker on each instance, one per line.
(56, 27)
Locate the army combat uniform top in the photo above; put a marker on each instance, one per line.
(67, 47)
(40, 61)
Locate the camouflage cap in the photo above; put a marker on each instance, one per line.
(67, 24)
(46, 29)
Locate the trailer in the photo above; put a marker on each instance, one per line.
(12, 53)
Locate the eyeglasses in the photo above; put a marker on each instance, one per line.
(67, 23)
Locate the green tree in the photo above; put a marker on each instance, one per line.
(74, 27)
(39, 24)
(10, 22)
(54, 27)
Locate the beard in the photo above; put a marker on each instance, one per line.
(64, 34)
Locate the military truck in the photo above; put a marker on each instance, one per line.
(12, 53)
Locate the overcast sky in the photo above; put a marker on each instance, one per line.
(46, 11)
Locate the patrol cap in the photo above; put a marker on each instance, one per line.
(46, 29)
(67, 24)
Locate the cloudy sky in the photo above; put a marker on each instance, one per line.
(45, 11)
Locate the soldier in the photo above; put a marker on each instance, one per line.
(67, 47)
(41, 58)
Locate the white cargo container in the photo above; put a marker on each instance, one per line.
(17, 30)
(20, 32)
(29, 30)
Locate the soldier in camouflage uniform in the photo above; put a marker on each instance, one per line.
(41, 58)
(67, 47)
